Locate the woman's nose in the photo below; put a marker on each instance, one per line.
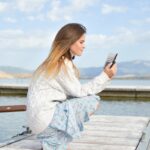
(83, 46)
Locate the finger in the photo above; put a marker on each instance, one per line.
(114, 67)
(108, 66)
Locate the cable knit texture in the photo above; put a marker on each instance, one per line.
(43, 91)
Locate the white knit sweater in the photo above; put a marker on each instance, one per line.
(42, 91)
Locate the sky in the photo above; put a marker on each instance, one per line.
(27, 29)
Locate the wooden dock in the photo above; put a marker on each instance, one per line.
(109, 93)
(126, 93)
(101, 133)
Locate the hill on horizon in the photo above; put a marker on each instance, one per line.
(133, 68)
(129, 68)
(12, 69)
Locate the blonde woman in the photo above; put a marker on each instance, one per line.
(58, 104)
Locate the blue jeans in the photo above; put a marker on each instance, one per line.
(67, 122)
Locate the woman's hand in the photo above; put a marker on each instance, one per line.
(110, 71)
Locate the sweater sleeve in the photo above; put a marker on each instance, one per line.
(72, 86)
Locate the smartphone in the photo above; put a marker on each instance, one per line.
(111, 58)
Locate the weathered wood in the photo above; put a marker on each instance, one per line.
(9, 148)
(126, 93)
(12, 108)
(101, 133)
(120, 134)
(117, 129)
(109, 93)
(144, 143)
(87, 146)
(119, 119)
(13, 89)
(27, 144)
(14, 140)
(107, 141)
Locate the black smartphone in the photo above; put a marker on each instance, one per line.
(111, 58)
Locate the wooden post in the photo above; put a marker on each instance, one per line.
(12, 108)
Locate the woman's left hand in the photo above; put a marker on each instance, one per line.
(110, 71)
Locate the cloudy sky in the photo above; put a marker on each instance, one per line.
(27, 28)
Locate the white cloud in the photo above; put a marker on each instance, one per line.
(58, 11)
(124, 37)
(38, 40)
(107, 9)
(10, 20)
(19, 40)
(82, 4)
(26, 6)
(147, 20)
(43, 9)
(140, 22)
(30, 5)
(39, 17)
(3, 6)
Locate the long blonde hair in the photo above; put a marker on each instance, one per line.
(60, 50)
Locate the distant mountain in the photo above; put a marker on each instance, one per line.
(14, 72)
(11, 69)
(129, 69)
(137, 68)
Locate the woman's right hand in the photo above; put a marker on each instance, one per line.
(110, 71)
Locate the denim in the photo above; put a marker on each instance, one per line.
(68, 122)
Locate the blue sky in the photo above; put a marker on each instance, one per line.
(27, 28)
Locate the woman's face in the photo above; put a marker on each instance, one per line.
(77, 47)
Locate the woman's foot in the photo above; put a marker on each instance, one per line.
(68, 148)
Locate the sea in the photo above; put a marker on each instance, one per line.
(14, 123)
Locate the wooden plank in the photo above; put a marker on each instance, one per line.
(109, 93)
(117, 124)
(144, 143)
(107, 141)
(14, 140)
(27, 144)
(113, 128)
(81, 146)
(134, 135)
(10, 148)
(12, 108)
(119, 119)
(101, 133)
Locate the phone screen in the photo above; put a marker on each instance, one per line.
(111, 59)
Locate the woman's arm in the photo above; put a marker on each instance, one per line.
(73, 87)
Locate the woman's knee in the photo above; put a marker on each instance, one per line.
(98, 106)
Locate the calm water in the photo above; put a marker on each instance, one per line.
(11, 123)
(113, 82)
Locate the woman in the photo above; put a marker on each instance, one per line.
(57, 103)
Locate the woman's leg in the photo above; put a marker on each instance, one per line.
(97, 107)
(68, 118)
(53, 139)
(83, 104)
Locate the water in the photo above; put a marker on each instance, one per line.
(135, 82)
(11, 123)
(124, 108)
(113, 82)
(15, 81)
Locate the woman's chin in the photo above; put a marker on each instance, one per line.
(80, 54)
